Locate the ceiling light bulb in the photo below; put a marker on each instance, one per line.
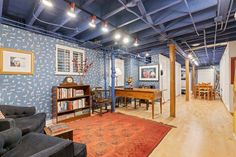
(197, 44)
(117, 36)
(71, 11)
(190, 56)
(196, 63)
(136, 43)
(71, 14)
(92, 23)
(47, 3)
(147, 54)
(105, 27)
(126, 40)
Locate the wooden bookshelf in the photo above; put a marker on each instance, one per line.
(70, 101)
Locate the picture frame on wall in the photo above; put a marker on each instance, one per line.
(149, 73)
(14, 62)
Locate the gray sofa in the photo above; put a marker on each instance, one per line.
(13, 144)
(25, 118)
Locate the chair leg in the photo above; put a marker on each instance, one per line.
(100, 110)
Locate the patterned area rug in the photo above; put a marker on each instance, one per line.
(118, 135)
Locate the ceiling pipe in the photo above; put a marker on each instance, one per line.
(140, 17)
(228, 15)
(190, 14)
(208, 46)
(214, 49)
(192, 51)
(205, 43)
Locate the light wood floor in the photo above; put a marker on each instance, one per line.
(204, 129)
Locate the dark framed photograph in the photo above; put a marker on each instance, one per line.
(149, 73)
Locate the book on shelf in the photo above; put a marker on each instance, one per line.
(69, 93)
(71, 105)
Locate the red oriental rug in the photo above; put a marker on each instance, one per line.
(118, 135)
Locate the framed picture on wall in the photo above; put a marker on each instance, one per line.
(16, 62)
(149, 73)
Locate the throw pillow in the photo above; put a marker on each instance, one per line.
(2, 115)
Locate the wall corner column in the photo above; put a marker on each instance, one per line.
(187, 78)
(172, 79)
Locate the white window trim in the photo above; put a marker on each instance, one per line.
(71, 49)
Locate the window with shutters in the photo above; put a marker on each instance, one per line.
(68, 60)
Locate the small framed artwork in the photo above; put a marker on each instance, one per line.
(149, 73)
(15, 62)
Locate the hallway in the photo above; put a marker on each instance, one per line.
(204, 129)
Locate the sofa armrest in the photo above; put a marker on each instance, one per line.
(17, 111)
(6, 123)
(9, 139)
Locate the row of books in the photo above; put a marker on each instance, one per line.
(70, 105)
(69, 93)
(71, 115)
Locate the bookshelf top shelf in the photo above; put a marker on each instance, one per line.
(72, 86)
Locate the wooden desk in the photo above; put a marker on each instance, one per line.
(139, 93)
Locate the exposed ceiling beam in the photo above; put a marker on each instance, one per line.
(128, 22)
(36, 11)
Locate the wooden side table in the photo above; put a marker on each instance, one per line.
(59, 130)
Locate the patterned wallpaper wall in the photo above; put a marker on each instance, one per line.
(131, 70)
(28, 90)
(155, 60)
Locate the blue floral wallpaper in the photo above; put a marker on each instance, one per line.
(28, 90)
(131, 70)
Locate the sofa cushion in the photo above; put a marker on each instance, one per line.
(10, 111)
(31, 123)
(62, 149)
(33, 143)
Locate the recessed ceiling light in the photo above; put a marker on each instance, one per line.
(136, 43)
(71, 11)
(92, 23)
(117, 36)
(147, 54)
(47, 3)
(105, 27)
(126, 40)
(197, 44)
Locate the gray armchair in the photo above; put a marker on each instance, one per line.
(24, 118)
(13, 144)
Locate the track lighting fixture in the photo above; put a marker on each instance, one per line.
(71, 11)
(136, 43)
(47, 3)
(92, 23)
(105, 27)
(190, 56)
(126, 40)
(117, 36)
